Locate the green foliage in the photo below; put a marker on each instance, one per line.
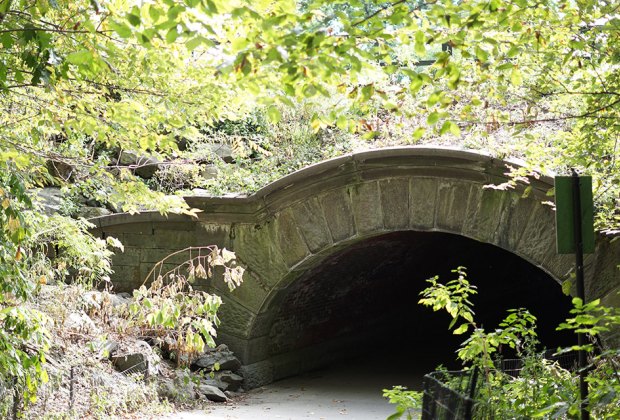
(183, 319)
(407, 402)
(591, 318)
(542, 389)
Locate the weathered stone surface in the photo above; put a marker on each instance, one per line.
(223, 151)
(337, 210)
(323, 207)
(538, 239)
(395, 203)
(452, 199)
(253, 291)
(312, 224)
(484, 212)
(256, 247)
(236, 319)
(292, 246)
(514, 220)
(225, 359)
(366, 203)
(50, 199)
(606, 272)
(136, 359)
(422, 203)
(257, 374)
(212, 393)
(209, 171)
(89, 212)
(80, 322)
(233, 380)
(130, 363)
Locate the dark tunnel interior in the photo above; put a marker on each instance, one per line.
(369, 292)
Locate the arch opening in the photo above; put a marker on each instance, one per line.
(362, 302)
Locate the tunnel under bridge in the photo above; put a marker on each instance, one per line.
(337, 253)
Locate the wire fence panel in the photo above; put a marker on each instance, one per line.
(455, 395)
(447, 395)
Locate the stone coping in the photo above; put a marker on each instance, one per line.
(425, 161)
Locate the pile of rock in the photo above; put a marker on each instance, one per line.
(206, 381)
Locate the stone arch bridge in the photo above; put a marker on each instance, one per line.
(318, 243)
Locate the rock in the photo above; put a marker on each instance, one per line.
(167, 390)
(94, 300)
(135, 358)
(108, 348)
(80, 322)
(120, 299)
(231, 394)
(89, 212)
(145, 166)
(233, 380)
(182, 388)
(212, 393)
(257, 374)
(201, 192)
(128, 157)
(224, 151)
(182, 144)
(224, 357)
(130, 363)
(208, 171)
(50, 199)
(86, 201)
(60, 170)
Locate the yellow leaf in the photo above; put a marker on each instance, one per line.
(42, 280)
(13, 224)
(6, 203)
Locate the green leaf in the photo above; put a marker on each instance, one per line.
(515, 77)
(193, 43)
(461, 329)
(418, 133)
(172, 35)
(274, 115)
(432, 118)
(134, 19)
(80, 57)
(121, 29)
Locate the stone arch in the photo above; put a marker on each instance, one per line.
(295, 223)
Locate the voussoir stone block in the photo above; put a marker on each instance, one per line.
(256, 247)
(367, 207)
(452, 199)
(236, 319)
(606, 272)
(395, 203)
(292, 245)
(336, 206)
(422, 203)
(484, 213)
(312, 224)
(538, 239)
(514, 220)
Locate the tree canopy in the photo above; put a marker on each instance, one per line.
(81, 81)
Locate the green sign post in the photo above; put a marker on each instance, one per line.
(574, 217)
(565, 211)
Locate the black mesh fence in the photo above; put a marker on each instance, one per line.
(455, 395)
(449, 395)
